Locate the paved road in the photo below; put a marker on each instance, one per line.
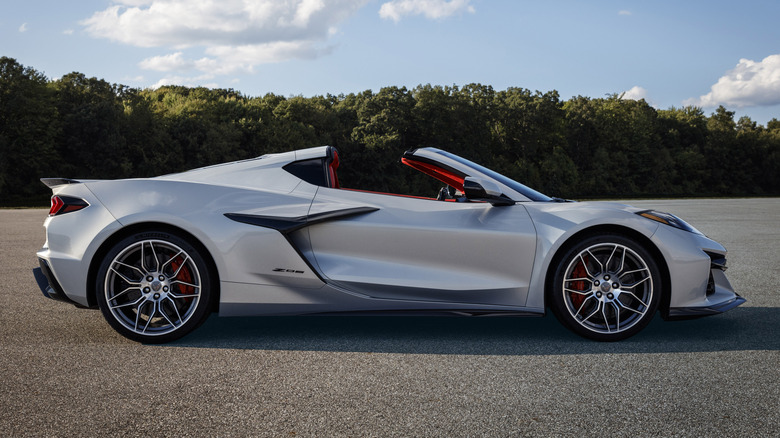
(64, 372)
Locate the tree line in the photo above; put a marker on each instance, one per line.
(583, 147)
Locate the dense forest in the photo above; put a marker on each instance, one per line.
(583, 147)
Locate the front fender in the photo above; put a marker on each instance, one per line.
(557, 223)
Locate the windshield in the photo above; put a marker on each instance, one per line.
(512, 184)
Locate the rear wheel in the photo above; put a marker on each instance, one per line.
(154, 287)
(606, 288)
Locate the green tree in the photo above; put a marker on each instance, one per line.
(721, 153)
(85, 127)
(28, 129)
(529, 130)
(91, 143)
(683, 134)
(615, 144)
(383, 128)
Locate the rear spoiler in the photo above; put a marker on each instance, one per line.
(53, 182)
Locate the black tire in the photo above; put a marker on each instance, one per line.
(606, 287)
(154, 287)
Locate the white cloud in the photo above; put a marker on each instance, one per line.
(624, 12)
(234, 35)
(67, 32)
(635, 93)
(188, 23)
(203, 39)
(188, 81)
(750, 83)
(172, 62)
(224, 60)
(229, 59)
(434, 9)
(23, 28)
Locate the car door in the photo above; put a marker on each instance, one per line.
(405, 248)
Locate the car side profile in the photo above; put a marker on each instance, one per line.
(278, 235)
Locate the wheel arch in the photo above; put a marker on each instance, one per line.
(129, 230)
(648, 244)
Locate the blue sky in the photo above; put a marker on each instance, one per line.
(671, 53)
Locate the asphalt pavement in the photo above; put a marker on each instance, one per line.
(65, 372)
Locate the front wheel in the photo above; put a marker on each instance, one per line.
(606, 288)
(154, 287)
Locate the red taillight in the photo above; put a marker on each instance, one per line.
(65, 204)
(56, 205)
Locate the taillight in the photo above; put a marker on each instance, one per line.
(66, 204)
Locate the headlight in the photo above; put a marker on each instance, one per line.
(669, 219)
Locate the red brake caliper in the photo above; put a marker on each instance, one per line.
(578, 272)
(184, 275)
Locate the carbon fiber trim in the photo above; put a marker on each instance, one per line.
(697, 312)
(53, 182)
(287, 225)
(48, 284)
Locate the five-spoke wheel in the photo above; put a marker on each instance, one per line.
(154, 287)
(606, 288)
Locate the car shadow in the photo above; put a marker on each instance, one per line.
(749, 328)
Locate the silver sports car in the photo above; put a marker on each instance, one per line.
(277, 235)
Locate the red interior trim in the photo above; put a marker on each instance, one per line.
(437, 172)
(398, 194)
(389, 194)
(334, 164)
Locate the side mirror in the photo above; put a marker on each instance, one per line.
(477, 189)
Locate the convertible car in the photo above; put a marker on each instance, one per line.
(277, 235)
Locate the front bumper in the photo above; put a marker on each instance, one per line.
(719, 295)
(698, 312)
(696, 265)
